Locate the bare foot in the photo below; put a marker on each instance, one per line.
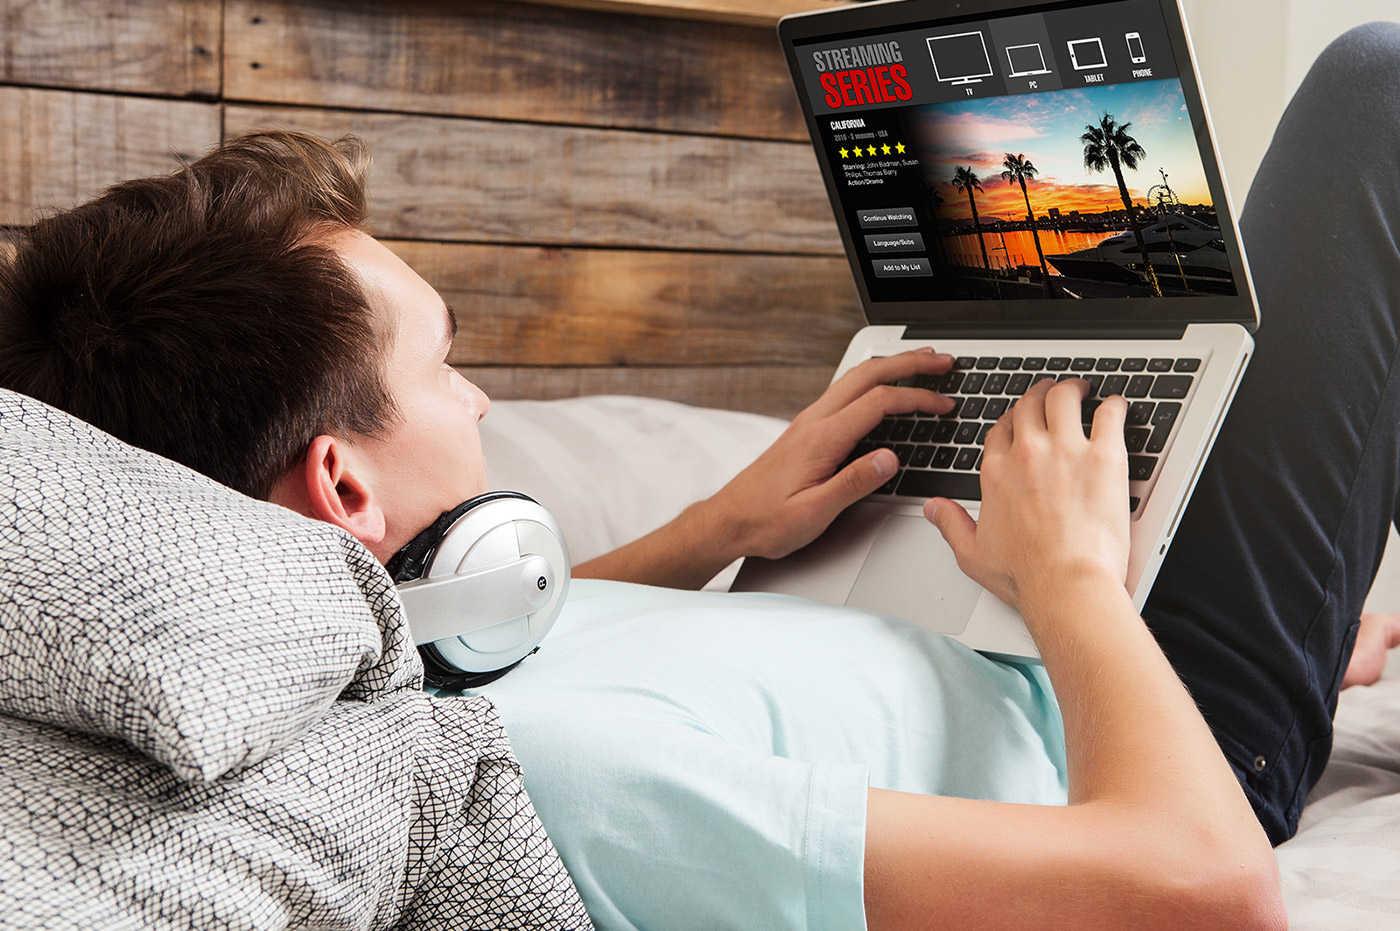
(1378, 633)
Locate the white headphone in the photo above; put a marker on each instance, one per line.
(482, 586)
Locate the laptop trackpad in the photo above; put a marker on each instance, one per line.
(911, 572)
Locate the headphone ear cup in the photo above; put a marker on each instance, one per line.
(491, 588)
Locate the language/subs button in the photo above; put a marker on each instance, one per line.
(902, 268)
(890, 216)
(894, 242)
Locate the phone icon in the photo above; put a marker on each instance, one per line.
(1135, 51)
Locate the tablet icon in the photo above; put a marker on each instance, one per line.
(1085, 54)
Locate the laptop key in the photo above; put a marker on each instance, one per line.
(1158, 441)
(1113, 384)
(982, 433)
(1107, 365)
(972, 408)
(964, 362)
(1159, 365)
(923, 431)
(996, 383)
(995, 408)
(1140, 468)
(1010, 363)
(967, 459)
(1135, 438)
(1087, 408)
(944, 432)
(1166, 413)
(943, 458)
(1033, 363)
(1082, 365)
(967, 432)
(1186, 365)
(987, 362)
(973, 383)
(1140, 412)
(1171, 386)
(1057, 364)
(951, 382)
(1134, 365)
(901, 430)
(1018, 384)
(1138, 386)
(926, 484)
(923, 455)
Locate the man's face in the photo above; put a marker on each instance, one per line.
(430, 459)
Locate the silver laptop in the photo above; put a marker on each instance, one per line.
(973, 152)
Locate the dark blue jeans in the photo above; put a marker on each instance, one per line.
(1258, 601)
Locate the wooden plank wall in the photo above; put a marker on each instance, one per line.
(611, 202)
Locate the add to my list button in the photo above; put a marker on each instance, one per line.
(902, 268)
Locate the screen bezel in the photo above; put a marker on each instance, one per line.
(870, 19)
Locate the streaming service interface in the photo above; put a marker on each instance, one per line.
(1043, 155)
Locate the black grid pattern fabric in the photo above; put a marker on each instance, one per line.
(209, 717)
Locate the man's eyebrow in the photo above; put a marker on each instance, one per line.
(450, 332)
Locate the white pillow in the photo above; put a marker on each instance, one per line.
(142, 601)
(612, 468)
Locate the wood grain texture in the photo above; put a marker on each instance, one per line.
(143, 46)
(479, 181)
(59, 148)
(748, 12)
(512, 61)
(521, 305)
(776, 390)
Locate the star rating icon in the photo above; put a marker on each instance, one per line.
(899, 148)
(871, 150)
(845, 153)
(885, 149)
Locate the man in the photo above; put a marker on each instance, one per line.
(236, 317)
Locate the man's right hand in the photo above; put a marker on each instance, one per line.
(1054, 503)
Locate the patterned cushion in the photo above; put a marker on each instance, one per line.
(172, 750)
(142, 601)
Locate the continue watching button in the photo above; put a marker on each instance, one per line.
(902, 268)
(890, 216)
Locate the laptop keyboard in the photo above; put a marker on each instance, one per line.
(940, 454)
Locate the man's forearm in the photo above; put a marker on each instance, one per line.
(684, 553)
(1157, 832)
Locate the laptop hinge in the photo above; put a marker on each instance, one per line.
(1005, 331)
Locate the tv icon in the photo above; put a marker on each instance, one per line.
(1026, 61)
(960, 58)
(1085, 54)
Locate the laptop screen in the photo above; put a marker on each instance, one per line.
(1043, 162)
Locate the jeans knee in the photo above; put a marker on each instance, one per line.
(1366, 56)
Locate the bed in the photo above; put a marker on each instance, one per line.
(594, 463)
(204, 781)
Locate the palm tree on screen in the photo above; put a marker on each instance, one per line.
(1108, 145)
(1019, 170)
(965, 180)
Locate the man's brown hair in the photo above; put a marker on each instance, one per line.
(200, 314)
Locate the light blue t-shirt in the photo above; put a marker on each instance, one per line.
(701, 759)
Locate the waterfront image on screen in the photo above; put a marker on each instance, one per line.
(1094, 192)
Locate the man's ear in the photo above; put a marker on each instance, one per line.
(336, 493)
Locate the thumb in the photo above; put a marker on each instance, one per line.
(956, 525)
(860, 478)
